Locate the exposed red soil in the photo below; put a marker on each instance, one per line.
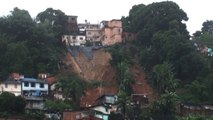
(141, 85)
(99, 68)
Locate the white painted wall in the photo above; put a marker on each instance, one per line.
(102, 109)
(72, 40)
(37, 86)
(11, 88)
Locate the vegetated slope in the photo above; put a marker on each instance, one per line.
(99, 68)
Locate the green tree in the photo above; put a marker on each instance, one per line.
(126, 78)
(18, 24)
(204, 37)
(162, 16)
(29, 46)
(124, 103)
(11, 104)
(56, 106)
(19, 105)
(207, 27)
(56, 19)
(163, 78)
(122, 59)
(162, 36)
(7, 101)
(120, 54)
(165, 107)
(73, 88)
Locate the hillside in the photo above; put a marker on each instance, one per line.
(99, 68)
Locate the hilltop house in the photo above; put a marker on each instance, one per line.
(72, 24)
(106, 33)
(112, 32)
(92, 31)
(74, 40)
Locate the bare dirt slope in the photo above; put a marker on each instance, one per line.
(99, 68)
(141, 85)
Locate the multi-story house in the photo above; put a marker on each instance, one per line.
(72, 24)
(112, 32)
(12, 86)
(34, 87)
(92, 31)
(33, 91)
(106, 104)
(93, 35)
(87, 25)
(74, 40)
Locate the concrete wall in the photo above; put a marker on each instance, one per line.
(93, 35)
(74, 40)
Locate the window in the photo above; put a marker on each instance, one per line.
(26, 84)
(5, 85)
(81, 38)
(32, 84)
(110, 100)
(89, 33)
(41, 85)
(73, 38)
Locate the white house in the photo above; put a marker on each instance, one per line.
(74, 40)
(34, 87)
(106, 104)
(12, 86)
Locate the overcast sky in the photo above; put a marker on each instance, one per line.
(95, 11)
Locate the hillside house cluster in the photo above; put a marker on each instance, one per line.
(100, 110)
(33, 90)
(106, 33)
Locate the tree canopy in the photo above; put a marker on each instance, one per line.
(27, 46)
(162, 37)
(11, 104)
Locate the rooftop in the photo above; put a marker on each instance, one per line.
(33, 80)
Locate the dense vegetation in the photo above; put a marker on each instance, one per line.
(30, 46)
(165, 49)
(171, 60)
(11, 104)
